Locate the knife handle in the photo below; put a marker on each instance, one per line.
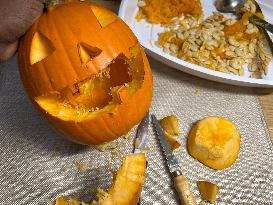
(183, 189)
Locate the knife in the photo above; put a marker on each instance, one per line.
(264, 26)
(259, 21)
(262, 23)
(140, 143)
(181, 183)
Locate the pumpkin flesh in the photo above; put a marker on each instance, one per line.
(125, 188)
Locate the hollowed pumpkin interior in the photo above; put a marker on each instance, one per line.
(100, 93)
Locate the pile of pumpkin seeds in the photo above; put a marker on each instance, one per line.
(203, 42)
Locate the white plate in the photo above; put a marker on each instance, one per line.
(148, 34)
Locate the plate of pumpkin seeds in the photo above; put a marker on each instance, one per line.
(220, 47)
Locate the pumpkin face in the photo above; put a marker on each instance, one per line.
(85, 70)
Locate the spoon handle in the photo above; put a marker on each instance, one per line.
(269, 40)
(262, 23)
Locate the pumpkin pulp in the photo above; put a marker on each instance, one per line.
(99, 94)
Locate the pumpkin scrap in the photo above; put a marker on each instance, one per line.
(86, 72)
(170, 124)
(107, 146)
(208, 191)
(125, 189)
(215, 142)
(82, 166)
(172, 141)
(64, 200)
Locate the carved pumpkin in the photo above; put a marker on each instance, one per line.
(85, 70)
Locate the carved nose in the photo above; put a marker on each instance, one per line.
(87, 52)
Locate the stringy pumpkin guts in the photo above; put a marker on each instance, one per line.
(163, 12)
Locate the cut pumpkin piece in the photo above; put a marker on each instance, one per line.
(208, 191)
(126, 187)
(215, 142)
(170, 125)
(63, 200)
(172, 141)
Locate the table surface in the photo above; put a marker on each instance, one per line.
(266, 99)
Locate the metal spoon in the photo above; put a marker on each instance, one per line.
(229, 6)
(233, 6)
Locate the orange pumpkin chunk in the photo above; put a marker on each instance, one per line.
(126, 187)
(208, 191)
(170, 124)
(172, 141)
(215, 142)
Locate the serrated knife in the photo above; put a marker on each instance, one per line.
(181, 183)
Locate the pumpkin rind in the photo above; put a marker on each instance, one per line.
(67, 26)
(215, 142)
(125, 188)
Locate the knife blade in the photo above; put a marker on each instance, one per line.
(263, 25)
(259, 21)
(140, 144)
(181, 183)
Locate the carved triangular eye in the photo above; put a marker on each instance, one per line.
(41, 47)
(104, 18)
(87, 52)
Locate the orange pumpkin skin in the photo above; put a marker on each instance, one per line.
(66, 26)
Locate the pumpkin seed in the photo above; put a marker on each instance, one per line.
(241, 71)
(174, 48)
(230, 22)
(230, 53)
(141, 3)
(180, 36)
(200, 39)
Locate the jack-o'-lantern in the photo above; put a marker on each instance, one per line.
(85, 70)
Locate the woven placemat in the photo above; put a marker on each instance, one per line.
(36, 163)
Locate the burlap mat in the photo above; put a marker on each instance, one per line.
(36, 163)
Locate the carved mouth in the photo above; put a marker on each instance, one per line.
(98, 94)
